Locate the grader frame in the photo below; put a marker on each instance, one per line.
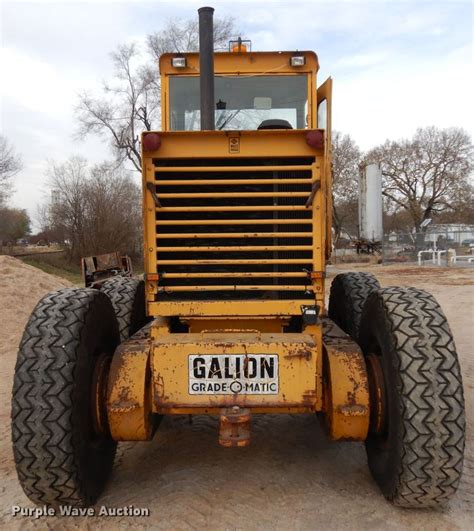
(288, 173)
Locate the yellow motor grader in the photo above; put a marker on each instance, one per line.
(231, 318)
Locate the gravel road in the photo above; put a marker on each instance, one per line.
(291, 477)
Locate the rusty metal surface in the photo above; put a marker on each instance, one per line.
(151, 375)
(229, 308)
(89, 263)
(345, 382)
(159, 327)
(377, 394)
(297, 355)
(273, 324)
(234, 427)
(129, 390)
(97, 269)
(99, 394)
(108, 261)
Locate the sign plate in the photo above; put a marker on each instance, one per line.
(243, 374)
(234, 144)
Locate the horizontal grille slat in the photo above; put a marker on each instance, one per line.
(226, 248)
(230, 228)
(235, 222)
(248, 274)
(233, 195)
(207, 169)
(235, 287)
(236, 235)
(232, 209)
(238, 261)
(239, 182)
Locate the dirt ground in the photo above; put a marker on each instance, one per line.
(291, 477)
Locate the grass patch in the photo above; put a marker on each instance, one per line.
(58, 265)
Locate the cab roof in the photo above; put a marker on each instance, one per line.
(273, 63)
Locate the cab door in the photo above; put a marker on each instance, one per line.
(324, 110)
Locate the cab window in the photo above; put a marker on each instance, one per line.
(242, 102)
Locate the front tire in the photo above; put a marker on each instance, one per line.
(349, 291)
(128, 300)
(59, 456)
(415, 448)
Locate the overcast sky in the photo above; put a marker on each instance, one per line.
(396, 65)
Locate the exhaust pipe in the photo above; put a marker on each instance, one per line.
(206, 67)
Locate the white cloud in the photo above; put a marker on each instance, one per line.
(34, 83)
(396, 65)
(393, 101)
(362, 59)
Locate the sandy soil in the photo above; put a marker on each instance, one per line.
(291, 477)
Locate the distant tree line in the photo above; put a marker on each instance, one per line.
(14, 222)
(92, 209)
(427, 176)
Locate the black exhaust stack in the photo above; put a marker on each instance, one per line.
(206, 67)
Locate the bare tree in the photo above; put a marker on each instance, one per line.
(130, 102)
(461, 208)
(93, 210)
(346, 160)
(114, 217)
(129, 105)
(10, 165)
(425, 175)
(67, 209)
(183, 36)
(14, 224)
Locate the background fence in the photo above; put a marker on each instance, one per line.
(440, 246)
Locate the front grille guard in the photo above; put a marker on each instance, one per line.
(230, 229)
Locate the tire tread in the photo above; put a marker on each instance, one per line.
(349, 291)
(43, 394)
(126, 295)
(429, 381)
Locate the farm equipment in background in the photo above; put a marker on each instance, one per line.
(364, 246)
(97, 269)
(237, 232)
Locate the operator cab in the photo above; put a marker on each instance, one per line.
(253, 90)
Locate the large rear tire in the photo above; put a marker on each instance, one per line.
(349, 291)
(416, 440)
(60, 458)
(128, 299)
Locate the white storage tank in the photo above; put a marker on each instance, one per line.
(370, 203)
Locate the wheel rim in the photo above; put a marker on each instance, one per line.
(99, 394)
(378, 409)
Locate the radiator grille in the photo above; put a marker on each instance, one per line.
(234, 229)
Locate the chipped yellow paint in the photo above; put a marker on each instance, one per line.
(346, 388)
(129, 392)
(297, 354)
(151, 374)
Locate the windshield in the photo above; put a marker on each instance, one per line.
(242, 102)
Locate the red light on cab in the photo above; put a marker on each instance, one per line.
(315, 139)
(151, 142)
